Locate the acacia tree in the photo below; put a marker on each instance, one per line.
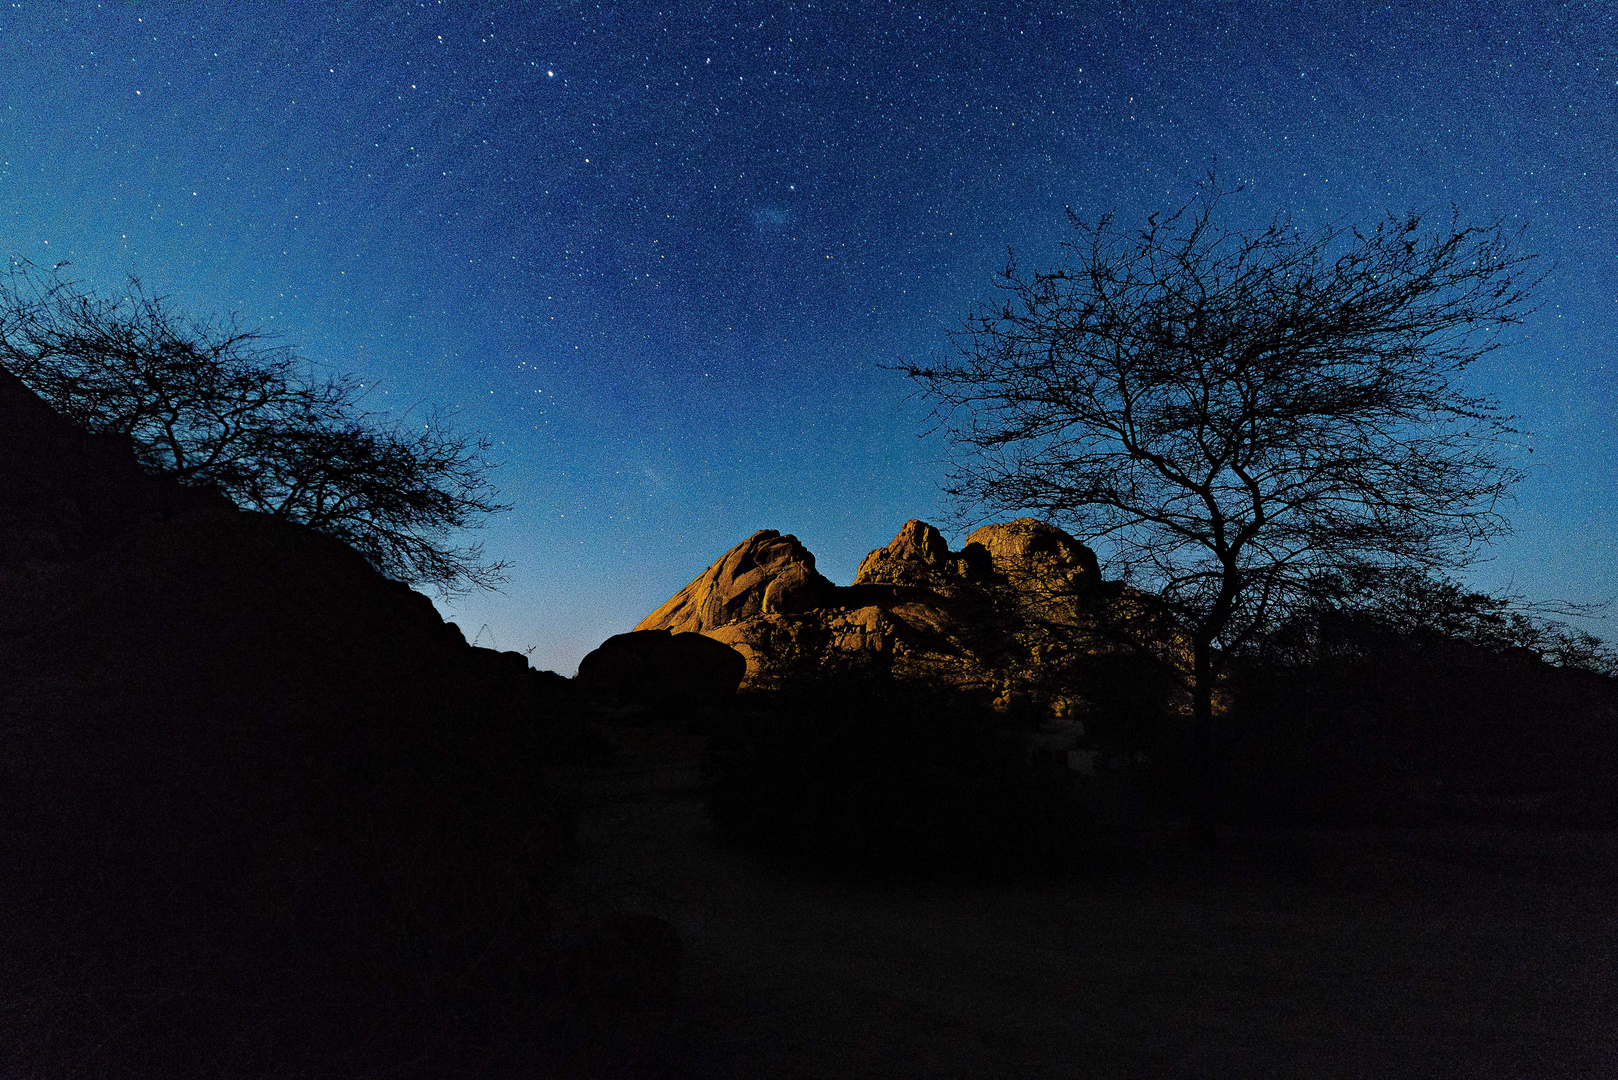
(1241, 419)
(208, 403)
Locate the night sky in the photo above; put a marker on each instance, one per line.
(661, 254)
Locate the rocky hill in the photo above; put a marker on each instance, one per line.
(1020, 616)
(1384, 725)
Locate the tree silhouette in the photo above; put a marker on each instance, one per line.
(211, 404)
(1243, 418)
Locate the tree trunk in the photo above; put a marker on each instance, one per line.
(1202, 779)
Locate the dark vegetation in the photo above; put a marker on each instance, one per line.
(1352, 716)
(1244, 418)
(856, 772)
(1416, 701)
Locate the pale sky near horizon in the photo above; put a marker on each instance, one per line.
(661, 253)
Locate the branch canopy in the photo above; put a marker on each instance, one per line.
(208, 403)
(1239, 416)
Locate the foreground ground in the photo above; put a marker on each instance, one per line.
(1441, 952)
(1446, 952)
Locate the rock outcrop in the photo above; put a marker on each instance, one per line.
(766, 574)
(1037, 555)
(1017, 616)
(918, 556)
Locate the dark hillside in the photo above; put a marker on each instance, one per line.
(250, 787)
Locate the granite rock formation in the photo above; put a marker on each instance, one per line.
(1017, 617)
(1035, 554)
(766, 574)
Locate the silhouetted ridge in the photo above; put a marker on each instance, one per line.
(229, 748)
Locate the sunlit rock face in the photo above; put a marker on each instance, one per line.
(915, 557)
(765, 574)
(1039, 555)
(1018, 616)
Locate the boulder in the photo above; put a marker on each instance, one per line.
(659, 668)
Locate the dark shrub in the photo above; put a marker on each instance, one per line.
(855, 770)
(1407, 728)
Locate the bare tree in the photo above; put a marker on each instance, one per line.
(1242, 418)
(208, 403)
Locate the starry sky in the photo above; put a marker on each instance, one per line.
(662, 253)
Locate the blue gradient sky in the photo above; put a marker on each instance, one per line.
(660, 252)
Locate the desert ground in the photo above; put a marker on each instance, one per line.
(1446, 952)
(1440, 951)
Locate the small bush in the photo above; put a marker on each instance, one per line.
(858, 771)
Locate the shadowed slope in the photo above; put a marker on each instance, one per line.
(233, 755)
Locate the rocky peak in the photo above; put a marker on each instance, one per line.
(765, 574)
(919, 555)
(1033, 552)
